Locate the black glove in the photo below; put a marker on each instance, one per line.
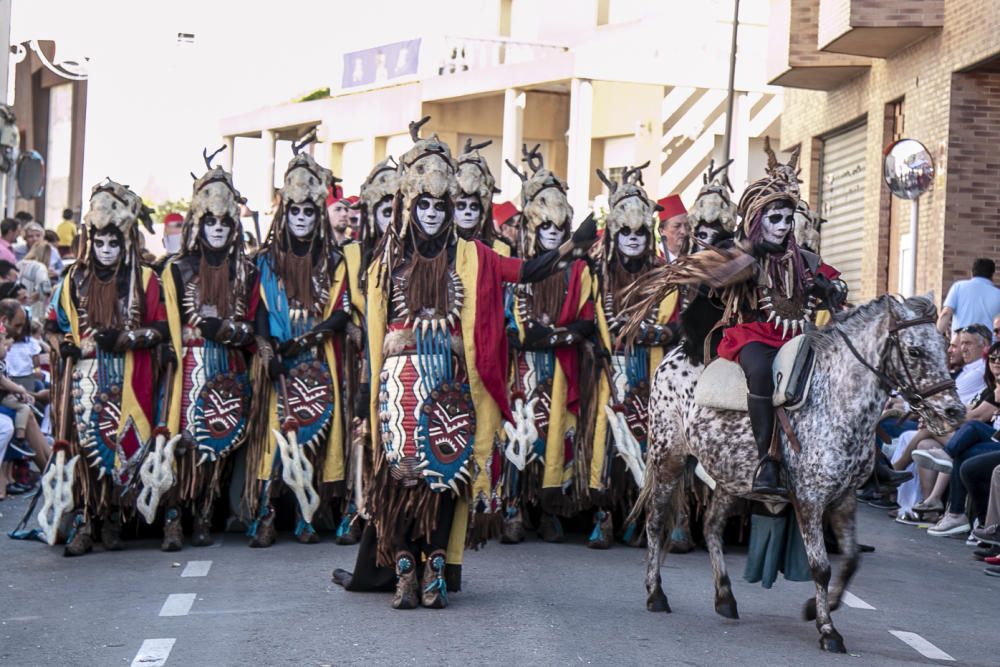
(581, 329)
(762, 249)
(209, 328)
(513, 340)
(167, 356)
(275, 370)
(536, 335)
(362, 401)
(822, 287)
(586, 233)
(107, 339)
(68, 350)
(336, 323)
(289, 348)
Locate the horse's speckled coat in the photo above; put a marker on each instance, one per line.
(835, 429)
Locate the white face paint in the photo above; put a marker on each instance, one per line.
(383, 214)
(631, 244)
(705, 235)
(777, 221)
(301, 219)
(215, 231)
(431, 214)
(107, 249)
(550, 237)
(468, 211)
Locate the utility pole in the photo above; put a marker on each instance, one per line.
(732, 83)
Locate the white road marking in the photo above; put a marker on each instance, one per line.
(920, 645)
(153, 653)
(853, 601)
(177, 604)
(197, 568)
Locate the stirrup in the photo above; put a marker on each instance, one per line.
(777, 489)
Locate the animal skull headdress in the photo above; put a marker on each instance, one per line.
(543, 199)
(475, 179)
(714, 204)
(780, 183)
(382, 182)
(114, 206)
(426, 169)
(213, 193)
(629, 207)
(305, 179)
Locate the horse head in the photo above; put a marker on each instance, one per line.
(914, 357)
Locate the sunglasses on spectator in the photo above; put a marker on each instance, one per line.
(994, 358)
(977, 329)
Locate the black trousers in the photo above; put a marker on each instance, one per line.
(756, 360)
(977, 474)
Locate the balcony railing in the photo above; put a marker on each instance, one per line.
(461, 54)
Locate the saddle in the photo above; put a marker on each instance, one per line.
(723, 385)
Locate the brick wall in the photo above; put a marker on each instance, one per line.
(972, 203)
(922, 76)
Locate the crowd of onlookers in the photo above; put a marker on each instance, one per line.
(31, 260)
(950, 483)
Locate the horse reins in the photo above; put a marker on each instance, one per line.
(908, 390)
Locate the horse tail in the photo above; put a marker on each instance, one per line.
(648, 484)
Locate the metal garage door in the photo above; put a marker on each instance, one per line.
(842, 204)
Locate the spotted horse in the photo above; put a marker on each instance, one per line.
(860, 357)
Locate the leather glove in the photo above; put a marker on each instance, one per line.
(536, 334)
(581, 329)
(289, 348)
(336, 323)
(586, 233)
(167, 356)
(209, 328)
(107, 339)
(275, 370)
(68, 350)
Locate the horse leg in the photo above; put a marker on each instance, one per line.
(844, 523)
(811, 526)
(659, 520)
(714, 522)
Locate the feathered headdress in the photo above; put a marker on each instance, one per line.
(543, 199)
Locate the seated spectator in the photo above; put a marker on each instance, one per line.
(990, 530)
(8, 272)
(8, 236)
(973, 301)
(45, 253)
(975, 437)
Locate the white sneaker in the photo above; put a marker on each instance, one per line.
(933, 459)
(950, 525)
(972, 540)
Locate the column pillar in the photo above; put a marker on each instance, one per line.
(513, 138)
(581, 124)
(229, 155)
(739, 143)
(268, 137)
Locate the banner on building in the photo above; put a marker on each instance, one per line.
(380, 63)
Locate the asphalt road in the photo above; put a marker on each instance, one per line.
(533, 603)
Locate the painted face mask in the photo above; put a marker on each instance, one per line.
(107, 249)
(549, 236)
(215, 231)
(301, 219)
(431, 214)
(776, 222)
(704, 235)
(630, 243)
(468, 212)
(383, 215)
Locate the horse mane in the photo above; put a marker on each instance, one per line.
(857, 318)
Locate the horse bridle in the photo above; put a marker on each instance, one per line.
(905, 387)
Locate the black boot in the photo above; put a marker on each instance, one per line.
(888, 477)
(767, 479)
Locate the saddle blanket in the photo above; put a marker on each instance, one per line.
(723, 385)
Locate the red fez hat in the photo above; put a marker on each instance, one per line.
(503, 212)
(334, 194)
(672, 206)
(173, 220)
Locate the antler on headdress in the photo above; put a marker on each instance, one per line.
(469, 146)
(209, 158)
(772, 159)
(714, 171)
(636, 172)
(532, 157)
(612, 186)
(304, 141)
(415, 126)
(520, 174)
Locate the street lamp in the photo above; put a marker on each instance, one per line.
(908, 170)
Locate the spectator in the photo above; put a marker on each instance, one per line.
(990, 531)
(973, 301)
(66, 232)
(15, 291)
(38, 286)
(337, 207)
(8, 236)
(43, 251)
(8, 272)
(673, 227)
(975, 437)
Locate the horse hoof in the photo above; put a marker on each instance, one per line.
(832, 643)
(809, 610)
(657, 601)
(726, 606)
